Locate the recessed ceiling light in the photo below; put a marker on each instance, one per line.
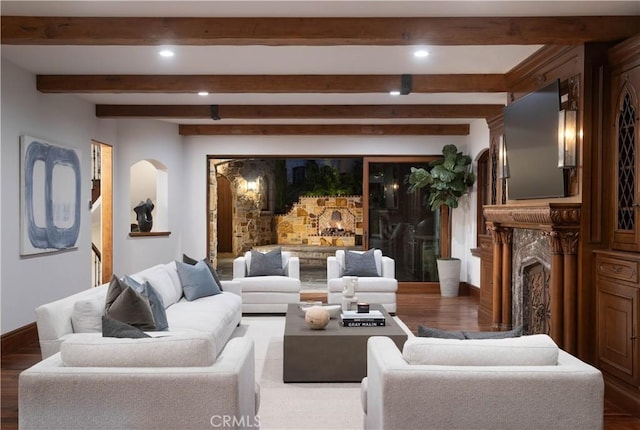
(166, 53)
(203, 93)
(394, 93)
(421, 53)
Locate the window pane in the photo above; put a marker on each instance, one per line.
(400, 224)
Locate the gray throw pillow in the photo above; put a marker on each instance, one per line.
(516, 332)
(125, 304)
(360, 264)
(266, 264)
(155, 301)
(424, 331)
(196, 280)
(189, 260)
(115, 328)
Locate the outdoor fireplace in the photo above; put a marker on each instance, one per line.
(340, 222)
(334, 221)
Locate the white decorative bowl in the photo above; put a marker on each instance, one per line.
(334, 310)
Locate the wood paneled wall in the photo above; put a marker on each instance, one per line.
(587, 63)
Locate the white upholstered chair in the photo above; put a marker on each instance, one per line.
(379, 289)
(267, 293)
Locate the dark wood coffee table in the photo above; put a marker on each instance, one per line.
(335, 354)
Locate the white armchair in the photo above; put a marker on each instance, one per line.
(268, 293)
(379, 289)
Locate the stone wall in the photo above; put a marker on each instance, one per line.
(266, 232)
(309, 218)
(252, 221)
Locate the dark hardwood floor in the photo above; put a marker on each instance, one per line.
(427, 309)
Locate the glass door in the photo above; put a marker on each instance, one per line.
(400, 223)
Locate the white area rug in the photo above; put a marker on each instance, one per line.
(297, 405)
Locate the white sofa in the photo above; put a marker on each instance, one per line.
(191, 376)
(77, 389)
(515, 383)
(370, 289)
(271, 293)
(218, 315)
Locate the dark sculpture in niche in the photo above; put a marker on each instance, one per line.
(143, 215)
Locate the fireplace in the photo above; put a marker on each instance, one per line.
(535, 269)
(334, 221)
(531, 278)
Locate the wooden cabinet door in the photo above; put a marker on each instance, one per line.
(626, 168)
(617, 307)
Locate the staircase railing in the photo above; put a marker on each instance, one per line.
(96, 172)
(96, 257)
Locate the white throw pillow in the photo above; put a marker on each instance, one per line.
(172, 270)
(533, 350)
(169, 350)
(86, 316)
(160, 279)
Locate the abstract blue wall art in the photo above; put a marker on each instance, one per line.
(50, 199)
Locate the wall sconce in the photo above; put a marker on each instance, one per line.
(567, 138)
(252, 186)
(503, 162)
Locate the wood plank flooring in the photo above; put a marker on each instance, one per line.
(455, 313)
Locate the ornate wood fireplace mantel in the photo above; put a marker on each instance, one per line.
(560, 222)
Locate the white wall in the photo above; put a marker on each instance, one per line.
(145, 140)
(464, 217)
(27, 282)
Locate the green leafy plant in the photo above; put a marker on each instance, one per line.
(448, 178)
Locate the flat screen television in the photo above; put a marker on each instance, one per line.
(531, 137)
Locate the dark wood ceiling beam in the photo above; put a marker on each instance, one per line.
(167, 84)
(34, 30)
(326, 129)
(298, 111)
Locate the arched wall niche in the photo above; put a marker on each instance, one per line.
(150, 180)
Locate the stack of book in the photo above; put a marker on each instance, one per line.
(373, 318)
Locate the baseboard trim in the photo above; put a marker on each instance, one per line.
(464, 289)
(622, 394)
(473, 291)
(11, 342)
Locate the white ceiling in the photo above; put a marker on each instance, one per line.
(255, 60)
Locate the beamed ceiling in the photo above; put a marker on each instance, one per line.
(297, 67)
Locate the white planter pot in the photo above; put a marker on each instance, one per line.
(449, 275)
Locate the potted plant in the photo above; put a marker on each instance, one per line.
(447, 179)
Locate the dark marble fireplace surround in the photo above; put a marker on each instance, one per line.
(535, 268)
(530, 281)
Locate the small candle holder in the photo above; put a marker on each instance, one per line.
(363, 308)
